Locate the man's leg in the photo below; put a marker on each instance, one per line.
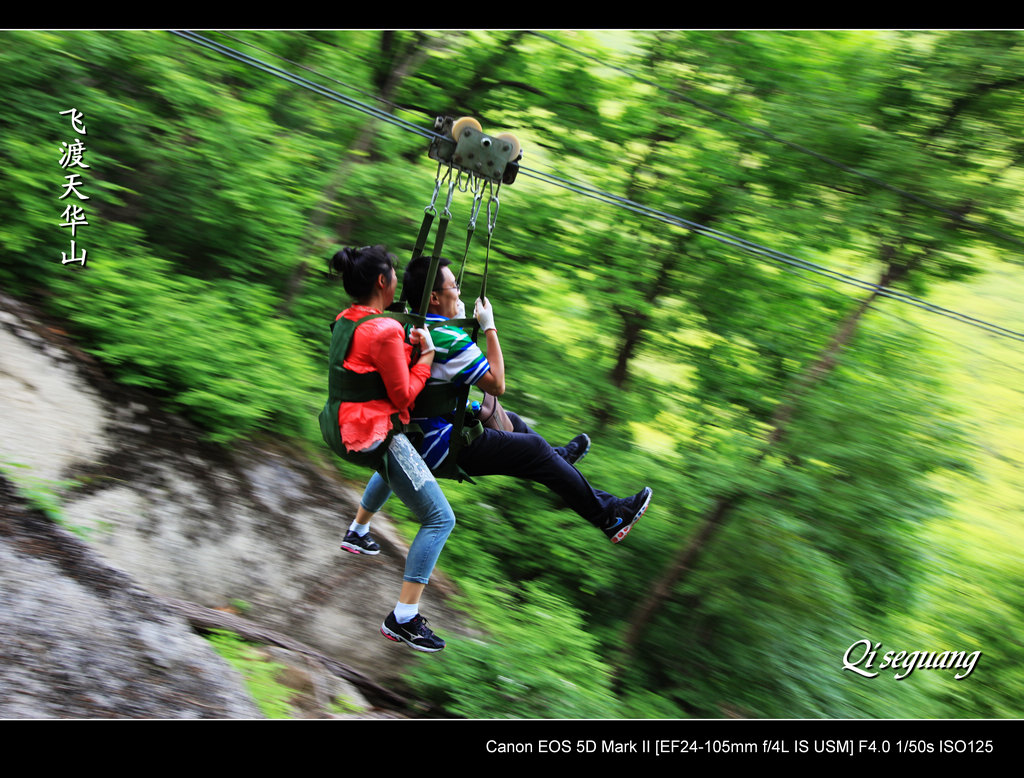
(572, 453)
(528, 456)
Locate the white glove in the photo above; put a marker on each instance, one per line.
(460, 310)
(421, 336)
(484, 314)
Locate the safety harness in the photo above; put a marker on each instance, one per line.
(474, 160)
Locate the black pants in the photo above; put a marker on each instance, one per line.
(525, 454)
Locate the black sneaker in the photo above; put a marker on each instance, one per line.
(626, 515)
(360, 544)
(576, 449)
(415, 633)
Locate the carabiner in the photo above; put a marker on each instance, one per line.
(492, 218)
(478, 199)
(451, 195)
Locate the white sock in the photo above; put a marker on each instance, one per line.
(404, 612)
(359, 529)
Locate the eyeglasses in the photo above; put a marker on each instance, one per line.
(443, 288)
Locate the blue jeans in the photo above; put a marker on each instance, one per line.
(415, 486)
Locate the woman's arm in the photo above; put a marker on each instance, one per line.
(402, 382)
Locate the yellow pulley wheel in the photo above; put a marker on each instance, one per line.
(513, 142)
(462, 124)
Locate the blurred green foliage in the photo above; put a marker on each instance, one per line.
(542, 663)
(807, 455)
(260, 673)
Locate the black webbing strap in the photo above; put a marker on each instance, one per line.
(442, 230)
(428, 287)
(458, 439)
(421, 239)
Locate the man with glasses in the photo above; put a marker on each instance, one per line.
(521, 453)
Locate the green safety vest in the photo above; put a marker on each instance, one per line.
(344, 385)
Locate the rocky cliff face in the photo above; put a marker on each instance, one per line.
(164, 515)
(80, 639)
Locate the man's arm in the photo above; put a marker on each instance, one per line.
(493, 381)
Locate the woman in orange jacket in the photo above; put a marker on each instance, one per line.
(377, 352)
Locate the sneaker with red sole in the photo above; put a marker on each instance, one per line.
(360, 544)
(414, 633)
(626, 515)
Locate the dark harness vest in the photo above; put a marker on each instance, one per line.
(344, 385)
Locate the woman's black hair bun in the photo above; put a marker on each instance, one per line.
(343, 260)
(359, 268)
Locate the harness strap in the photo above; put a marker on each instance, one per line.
(435, 400)
(348, 386)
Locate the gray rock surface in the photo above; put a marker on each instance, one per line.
(169, 515)
(81, 640)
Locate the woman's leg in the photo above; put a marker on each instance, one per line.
(358, 539)
(411, 592)
(374, 496)
(416, 486)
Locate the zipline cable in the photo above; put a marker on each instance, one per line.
(672, 219)
(345, 84)
(771, 254)
(798, 147)
(303, 82)
(614, 200)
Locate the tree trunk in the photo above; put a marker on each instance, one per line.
(313, 243)
(632, 333)
(713, 520)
